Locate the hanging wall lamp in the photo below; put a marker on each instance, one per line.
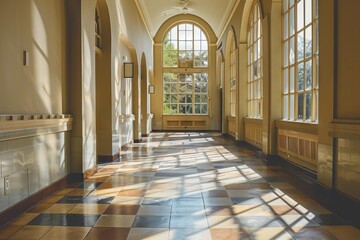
(128, 70)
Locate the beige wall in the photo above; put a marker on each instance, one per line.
(39, 28)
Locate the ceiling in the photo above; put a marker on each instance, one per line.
(215, 12)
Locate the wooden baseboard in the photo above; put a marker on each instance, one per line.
(24, 205)
(144, 135)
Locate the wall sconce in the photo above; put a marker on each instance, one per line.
(128, 70)
(151, 89)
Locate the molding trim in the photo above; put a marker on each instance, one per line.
(305, 127)
(20, 126)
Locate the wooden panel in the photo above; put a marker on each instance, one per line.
(186, 122)
(254, 132)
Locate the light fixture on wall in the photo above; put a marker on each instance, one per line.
(128, 70)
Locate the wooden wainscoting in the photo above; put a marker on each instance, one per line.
(298, 146)
(232, 129)
(254, 131)
(186, 122)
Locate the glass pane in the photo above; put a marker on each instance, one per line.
(300, 15)
(197, 108)
(189, 45)
(300, 77)
(292, 22)
(182, 45)
(316, 37)
(174, 98)
(285, 5)
(181, 26)
(286, 52)
(292, 79)
(167, 98)
(167, 87)
(308, 75)
(292, 107)
(197, 33)
(300, 115)
(308, 106)
(197, 45)
(204, 45)
(286, 81)
(316, 8)
(204, 108)
(308, 11)
(173, 88)
(182, 35)
(286, 27)
(182, 98)
(292, 50)
(300, 46)
(188, 109)
(285, 107)
(189, 35)
(291, 2)
(308, 42)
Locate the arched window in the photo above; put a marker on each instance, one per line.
(300, 85)
(185, 70)
(233, 80)
(255, 64)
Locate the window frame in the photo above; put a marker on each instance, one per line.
(255, 59)
(291, 88)
(187, 69)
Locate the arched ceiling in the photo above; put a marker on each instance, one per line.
(215, 12)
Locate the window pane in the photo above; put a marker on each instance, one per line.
(300, 15)
(286, 27)
(300, 76)
(286, 81)
(308, 106)
(316, 74)
(291, 2)
(292, 22)
(197, 109)
(300, 106)
(300, 46)
(285, 107)
(308, 42)
(204, 108)
(292, 79)
(285, 5)
(308, 75)
(308, 11)
(292, 51)
(292, 104)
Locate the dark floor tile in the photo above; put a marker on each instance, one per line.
(122, 209)
(72, 199)
(152, 222)
(98, 199)
(215, 194)
(84, 220)
(90, 185)
(101, 233)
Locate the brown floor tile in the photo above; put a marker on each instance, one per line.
(108, 233)
(79, 192)
(343, 232)
(9, 230)
(62, 233)
(30, 233)
(24, 219)
(64, 191)
(133, 192)
(122, 221)
(122, 209)
(60, 208)
(52, 199)
(215, 194)
(39, 208)
(89, 209)
(228, 234)
(311, 233)
(251, 186)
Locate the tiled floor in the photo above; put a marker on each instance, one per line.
(181, 186)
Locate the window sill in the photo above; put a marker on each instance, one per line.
(305, 127)
(257, 121)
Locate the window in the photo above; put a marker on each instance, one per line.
(97, 29)
(255, 64)
(233, 80)
(300, 75)
(185, 71)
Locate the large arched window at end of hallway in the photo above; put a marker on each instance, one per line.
(300, 85)
(255, 64)
(185, 71)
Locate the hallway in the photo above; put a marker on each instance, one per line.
(182, 186)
